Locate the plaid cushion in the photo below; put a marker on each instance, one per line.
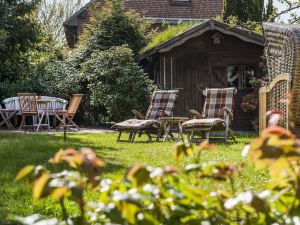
(162, 104)
(205, 124)
(216, 100)
(135, 124)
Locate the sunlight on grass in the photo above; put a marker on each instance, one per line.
(18, 150)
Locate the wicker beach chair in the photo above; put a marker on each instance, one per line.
(66, 116)
(217, 115)
(162, 105)
(282, 51)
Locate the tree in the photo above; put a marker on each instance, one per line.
(289, 8)
(114, 26)
(269, 11)
(246, 10)
(53, 13)
(19, 34)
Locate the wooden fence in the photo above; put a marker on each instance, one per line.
(274, 96)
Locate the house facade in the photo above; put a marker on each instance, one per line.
(210, 55)
(158, 11)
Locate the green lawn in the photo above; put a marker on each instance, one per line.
(18, 150)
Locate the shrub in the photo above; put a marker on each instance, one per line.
(155, 196)
(117, 83)
(57, 78)
(10, 89)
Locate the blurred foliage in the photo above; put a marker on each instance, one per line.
(148, 195)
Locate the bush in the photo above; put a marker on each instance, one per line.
(117, 83)
(169, 196)
(57, 78)
(10, 89)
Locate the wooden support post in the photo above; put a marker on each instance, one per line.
(262, 109)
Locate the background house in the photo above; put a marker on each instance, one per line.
(159, 11)
(209, 55)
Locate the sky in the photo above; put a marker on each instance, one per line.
(276, 3)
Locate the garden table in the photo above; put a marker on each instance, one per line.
(168, 122)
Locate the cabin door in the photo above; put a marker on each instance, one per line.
(218, 76)
(188, 75)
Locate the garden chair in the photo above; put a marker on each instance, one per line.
(162, 105)
(28, 108)
(7, 115)
(66, 116)
(217, 115)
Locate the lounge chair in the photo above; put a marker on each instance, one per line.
(66, 116)
(162, 105)
(217, 115)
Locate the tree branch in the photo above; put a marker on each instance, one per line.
(284, 12)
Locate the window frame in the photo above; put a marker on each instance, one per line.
(180, 2)
(241, 74)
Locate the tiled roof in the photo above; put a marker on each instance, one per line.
(165, 9)
(197, 9)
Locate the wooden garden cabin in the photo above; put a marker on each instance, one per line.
(209, 55)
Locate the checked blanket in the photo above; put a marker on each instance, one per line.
(216, 100)
(162, 104)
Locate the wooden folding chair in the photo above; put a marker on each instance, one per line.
(28, 108)
(66, 116)
(7, 115)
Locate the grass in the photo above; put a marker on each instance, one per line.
(169, 33)
(18, 150)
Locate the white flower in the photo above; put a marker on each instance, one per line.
(245, 151)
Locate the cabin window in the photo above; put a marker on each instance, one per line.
(239, 76)
(180, 2)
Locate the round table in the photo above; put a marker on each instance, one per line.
(168, 122)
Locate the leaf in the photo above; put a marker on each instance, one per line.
(180, 151)
(129, 211)
(139, 174)
(205, 145)
(59, 193)
(147, 219)
(57, 157)
(38, 186)
(278, 168)
(24, 172)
